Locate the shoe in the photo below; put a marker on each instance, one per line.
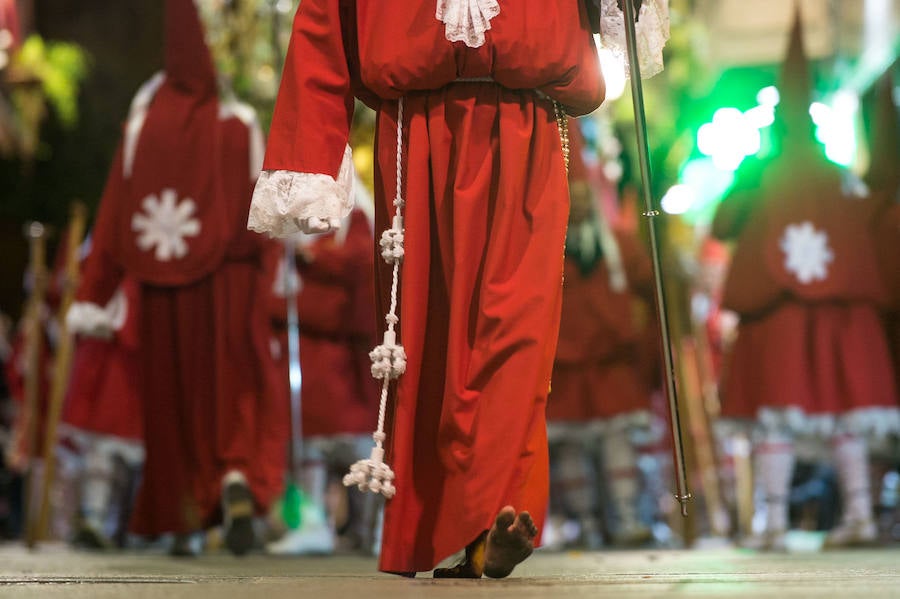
(632, 534)
(88, 537)
(184, 545)
(309, 539)
(769, 540)
(237, 512)
(852, 533)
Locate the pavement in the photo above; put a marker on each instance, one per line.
(56, 571)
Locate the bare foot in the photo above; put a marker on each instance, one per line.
(473, 564)
(509, 542)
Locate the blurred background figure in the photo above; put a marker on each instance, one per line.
(102, 422)
(810, 358)
(599, 409)
(339, 398)
(173, 218)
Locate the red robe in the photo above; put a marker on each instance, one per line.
(209, 407)
(889, 253)
(172, 217)
(485, 220)
(811, 340)
(103, 397)
(598, 373)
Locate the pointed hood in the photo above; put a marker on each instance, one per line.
(884, 147)
(795, 86)
(189, 65)
(174, 205)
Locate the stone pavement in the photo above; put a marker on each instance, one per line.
(55, 571)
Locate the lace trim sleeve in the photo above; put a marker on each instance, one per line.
(652, 29)
(86, 318)
(287, 202)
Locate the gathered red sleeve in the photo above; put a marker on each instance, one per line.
(313, 112)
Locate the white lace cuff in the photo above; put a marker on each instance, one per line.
(652, 33)
(86, 318)
(286, 202)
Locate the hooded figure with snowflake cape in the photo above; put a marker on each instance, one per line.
(172, 217)
(811, 357)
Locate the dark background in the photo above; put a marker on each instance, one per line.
(123, 41)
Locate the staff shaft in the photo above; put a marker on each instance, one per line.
(637, 97)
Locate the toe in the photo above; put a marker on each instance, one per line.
(506, 517)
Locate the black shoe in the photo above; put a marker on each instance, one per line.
(182, 546)
(87, 537)
(237, 510)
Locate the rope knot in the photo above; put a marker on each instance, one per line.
(392, 245)
(388, 359)
(372, 474)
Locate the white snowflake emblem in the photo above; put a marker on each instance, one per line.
(807, 253)
(165, 223)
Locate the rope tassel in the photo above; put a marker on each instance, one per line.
(389, 358)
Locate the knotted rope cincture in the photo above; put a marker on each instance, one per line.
(389, 358)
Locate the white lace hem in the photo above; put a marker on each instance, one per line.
(643, 427)
(86, 318)
(287, 202)
(874, 423)
(466, 20)
(652, 33)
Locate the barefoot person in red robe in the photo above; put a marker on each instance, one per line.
(471, 184)
(172, 218)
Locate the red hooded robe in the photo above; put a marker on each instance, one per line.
(172, 217)
(485, 183)
(805, 281)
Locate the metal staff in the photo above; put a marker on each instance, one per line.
(637, 97)
(293, 493)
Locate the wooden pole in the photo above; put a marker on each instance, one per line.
(62, 363)
(37, 267)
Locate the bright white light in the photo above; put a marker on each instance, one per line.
(820, 113)
(836, 126)
(727, 115)
(768, 96)
(678, 199)
(760, 117)
(845, 102)
(728, 160)
(707, 139)
(613, 73)
(730, 137)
